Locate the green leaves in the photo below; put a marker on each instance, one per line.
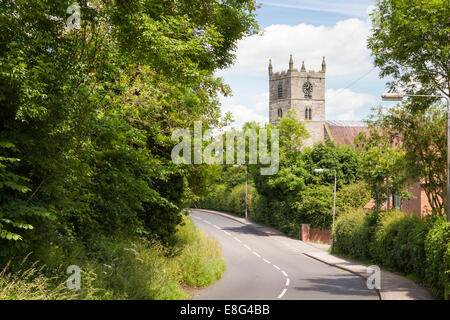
(411, 44)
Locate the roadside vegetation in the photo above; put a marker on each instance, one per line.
(296, 194)
(419, 247)
(120, 268)
(86, 175)
(405, 144)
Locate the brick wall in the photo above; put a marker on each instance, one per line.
(315, 235)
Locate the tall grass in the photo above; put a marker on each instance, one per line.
(118, 268)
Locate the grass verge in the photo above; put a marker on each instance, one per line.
(119, 268)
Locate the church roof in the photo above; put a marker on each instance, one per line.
(346, 123)
(343, 131)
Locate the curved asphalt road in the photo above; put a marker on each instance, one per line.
(272, 267)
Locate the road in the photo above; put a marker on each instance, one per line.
(259, 266)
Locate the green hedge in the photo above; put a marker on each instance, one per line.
(398, 241)
(223, 199)
(437, 249)
(353, 233)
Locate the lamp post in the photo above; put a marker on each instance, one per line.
(246, 182)
(399, 97)
(334, 203)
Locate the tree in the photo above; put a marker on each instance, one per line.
(410, 43)
(382, 166)
(422, 136)
(91, 110)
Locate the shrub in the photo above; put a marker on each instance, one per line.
(237, 199)
(399, 242)
(223, 199)
(121, 268)
(353, 232)
(316, 206)
(437, 249)
(216, 200)
(355, 195)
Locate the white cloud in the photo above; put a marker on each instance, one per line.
(341, 104)
(343, 45)
(256, 111)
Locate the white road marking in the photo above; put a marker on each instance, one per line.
(282, 293)
(255, 253)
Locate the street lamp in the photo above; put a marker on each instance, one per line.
(334, 203)
(246, 179)
(399, 97)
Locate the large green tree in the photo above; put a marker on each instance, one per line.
(91, 110)
(411, 44)
(422, 137)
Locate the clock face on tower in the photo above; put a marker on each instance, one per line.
(307, 89)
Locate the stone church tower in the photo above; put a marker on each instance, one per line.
(304, 92)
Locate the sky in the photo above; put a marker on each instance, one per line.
(309, 30)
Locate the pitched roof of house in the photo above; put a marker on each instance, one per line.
(343, 131)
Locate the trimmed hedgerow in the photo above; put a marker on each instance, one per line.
(437, 249)
(399, 241)
(353, 233)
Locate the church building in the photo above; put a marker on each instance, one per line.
(304, 92)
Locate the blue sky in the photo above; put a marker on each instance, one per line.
(307, 29)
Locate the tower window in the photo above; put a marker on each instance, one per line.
(280, 91)
(308, 114)
(280, 113)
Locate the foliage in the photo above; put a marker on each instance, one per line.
(437, 249)
(315, 207)
(296, 194)
(229, 200)
(422, 136)
(400, 241)
(409, 42)
(123, 269)
(352, 196)
(353, 233)
(90, 113)
(382, 166)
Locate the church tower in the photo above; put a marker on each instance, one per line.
(304, 92)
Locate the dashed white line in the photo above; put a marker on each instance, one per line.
(255, 253)
(282, 293)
